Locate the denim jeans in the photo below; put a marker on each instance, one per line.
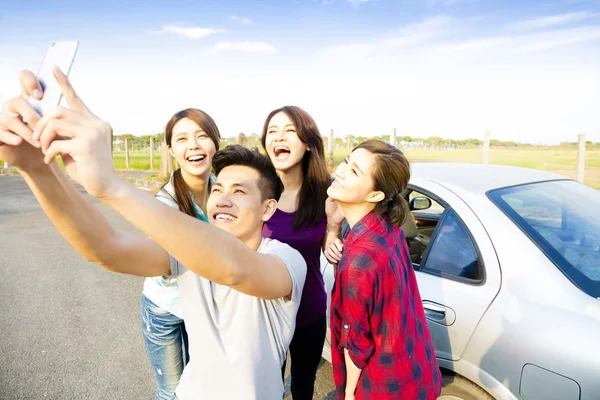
(166, 343)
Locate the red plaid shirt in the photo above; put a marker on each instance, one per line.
(377, 314)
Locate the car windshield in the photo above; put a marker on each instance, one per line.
(563, 219)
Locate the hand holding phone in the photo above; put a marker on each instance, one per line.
(61, 54)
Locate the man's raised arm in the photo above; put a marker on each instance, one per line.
(78, 221)
(204, 249)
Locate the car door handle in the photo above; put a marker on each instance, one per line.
(438, 313)
(433, 311)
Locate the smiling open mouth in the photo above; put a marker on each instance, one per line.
(198, 158)
(279, 150)
(224, 217)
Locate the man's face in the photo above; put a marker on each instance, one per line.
(235, 203)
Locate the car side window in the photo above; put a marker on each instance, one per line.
(426, 213)
(452, 251)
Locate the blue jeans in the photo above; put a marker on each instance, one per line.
(167, 345)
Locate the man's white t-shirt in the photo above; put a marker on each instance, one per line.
(237, 342)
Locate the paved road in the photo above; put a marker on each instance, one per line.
(69, 329)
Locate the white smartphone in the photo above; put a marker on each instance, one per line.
(61, 54)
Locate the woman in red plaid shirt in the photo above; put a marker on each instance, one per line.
(381, 347)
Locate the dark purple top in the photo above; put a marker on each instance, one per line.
(307, 240)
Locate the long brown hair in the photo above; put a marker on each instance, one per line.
(313, 193)
(183, 197)
(390, 176)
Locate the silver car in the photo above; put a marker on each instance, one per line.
(508, 265)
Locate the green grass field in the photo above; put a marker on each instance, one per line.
(556, 160)
(559, 161)
(136, 161)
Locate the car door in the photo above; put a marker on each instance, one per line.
(458, 274)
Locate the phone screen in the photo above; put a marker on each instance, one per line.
(61, 54)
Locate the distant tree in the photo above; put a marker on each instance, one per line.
(254, 141)
(242, 140)
(349, 141)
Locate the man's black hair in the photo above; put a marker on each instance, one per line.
(269, 183)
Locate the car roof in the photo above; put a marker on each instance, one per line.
(479, 178)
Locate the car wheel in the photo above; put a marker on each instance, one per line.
(455, 387)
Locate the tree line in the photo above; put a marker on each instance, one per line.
(142, 143)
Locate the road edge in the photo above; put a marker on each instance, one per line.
(149, 185)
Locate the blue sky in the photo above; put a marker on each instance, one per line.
(526, 70)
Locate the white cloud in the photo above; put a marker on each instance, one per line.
(241, 20)
(243, 46)
(192, 32)
(434, 3)
(497, 47)
(353, 3)
(356, 3)
(438, 38)
(553, 20)
(409, 36)
(556, 39)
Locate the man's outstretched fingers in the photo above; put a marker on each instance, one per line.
(59, 113)
(12, 123)
(56, 129)
(68, 92)
(30, 86)
(58, 147)
(21, 107)
(66, 114)
(9, 138)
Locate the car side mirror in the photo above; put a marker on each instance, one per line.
(420, 203)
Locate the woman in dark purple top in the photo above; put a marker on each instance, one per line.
(294, 145)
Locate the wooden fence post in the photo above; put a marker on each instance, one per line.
(486, 147)
(126, 153)
(166, 161)
(330, 150)
(581, 159)
(151, 153)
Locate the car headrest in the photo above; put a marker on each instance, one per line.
(409, 227)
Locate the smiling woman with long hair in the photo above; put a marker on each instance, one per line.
(192, 137)
(292, 140)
